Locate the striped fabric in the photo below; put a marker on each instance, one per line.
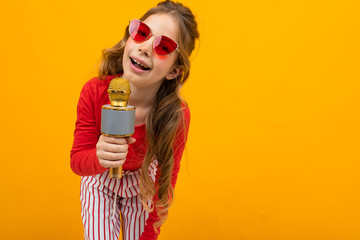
(97, 200)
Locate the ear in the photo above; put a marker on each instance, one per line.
(175, 72)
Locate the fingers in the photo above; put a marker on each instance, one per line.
(111, 159)
(118, 140)
(114, 148)
(114, 140)
(112, 151)
(110, 156)
(130, 140)
(111, 164)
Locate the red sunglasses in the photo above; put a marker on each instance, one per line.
(141, 32)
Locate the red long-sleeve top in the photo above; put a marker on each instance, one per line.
(84, 161)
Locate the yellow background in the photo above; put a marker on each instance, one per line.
(273, 152)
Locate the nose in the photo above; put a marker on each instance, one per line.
(146, 46)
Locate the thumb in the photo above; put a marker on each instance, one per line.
(130, 140)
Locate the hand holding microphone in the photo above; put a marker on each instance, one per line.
(112, 151)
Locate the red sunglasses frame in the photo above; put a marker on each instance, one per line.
(156, 37)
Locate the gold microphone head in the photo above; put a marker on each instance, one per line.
(119, 92)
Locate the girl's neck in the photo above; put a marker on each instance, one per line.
(142, 97)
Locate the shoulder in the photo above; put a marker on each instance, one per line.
(186, 111)
(185, 118)
(183, 129)
(96, 85)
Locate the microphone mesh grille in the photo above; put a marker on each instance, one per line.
(119, 90)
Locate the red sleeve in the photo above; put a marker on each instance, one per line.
(178, 147)
(84, 161)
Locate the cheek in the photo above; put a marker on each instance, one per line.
(127, 49)
(166, 62)
(162, 63)
(127, 46)
(163, 58)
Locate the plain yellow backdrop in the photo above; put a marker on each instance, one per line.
(273, 150)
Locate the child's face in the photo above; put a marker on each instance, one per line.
(160, 67)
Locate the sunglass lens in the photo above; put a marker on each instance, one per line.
(138, 30)
(164, 45)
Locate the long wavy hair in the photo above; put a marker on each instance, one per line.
(165, 118)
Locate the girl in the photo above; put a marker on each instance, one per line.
(154, 57)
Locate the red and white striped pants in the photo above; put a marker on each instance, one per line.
(97, 200)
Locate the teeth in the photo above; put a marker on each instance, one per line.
(140, 64)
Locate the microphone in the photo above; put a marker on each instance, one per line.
(118, 118)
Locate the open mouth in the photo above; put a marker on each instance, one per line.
(139, 65)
